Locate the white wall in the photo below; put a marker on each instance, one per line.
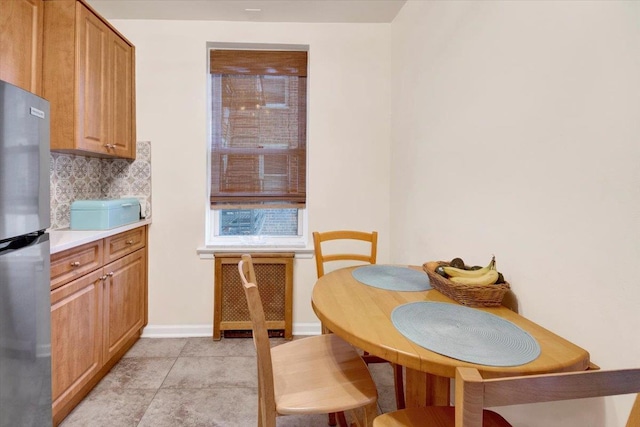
(515, 132)
(514, 128)
(349, 147)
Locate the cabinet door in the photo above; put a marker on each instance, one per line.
(124, 299)
(92, 129)
(121, 66)
(21, 24)
(76, 336)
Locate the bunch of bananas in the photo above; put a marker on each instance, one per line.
(458, 272)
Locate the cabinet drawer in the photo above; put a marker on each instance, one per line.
(73, 263)
(124, 243)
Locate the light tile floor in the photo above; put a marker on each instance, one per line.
(195, 382)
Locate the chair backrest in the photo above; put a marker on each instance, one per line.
(267, 402)
(473, 393)
(322, 257)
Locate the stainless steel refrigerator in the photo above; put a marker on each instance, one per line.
(25, 313)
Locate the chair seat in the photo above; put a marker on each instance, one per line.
(320, 374)
(433, 416)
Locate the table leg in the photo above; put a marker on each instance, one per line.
(424, 389)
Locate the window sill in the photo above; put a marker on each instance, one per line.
(208, 252)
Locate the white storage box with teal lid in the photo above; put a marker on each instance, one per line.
(104, 214)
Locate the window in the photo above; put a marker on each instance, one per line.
(258, 145)
(276, 91)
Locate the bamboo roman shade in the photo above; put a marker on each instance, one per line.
(259, 113)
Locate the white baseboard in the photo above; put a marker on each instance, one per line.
(186, 331)
(177, 331)
(307, 329)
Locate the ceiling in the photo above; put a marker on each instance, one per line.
(344, 11)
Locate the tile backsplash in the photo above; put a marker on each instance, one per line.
(81, 178)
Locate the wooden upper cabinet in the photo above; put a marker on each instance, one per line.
(21, 23)
(88, 78)
(92, 81)
(122, 106)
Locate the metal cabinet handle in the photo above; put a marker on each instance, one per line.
(129, 242)
(106, 276)
(75, 263)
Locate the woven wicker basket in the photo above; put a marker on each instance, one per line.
(469, 295)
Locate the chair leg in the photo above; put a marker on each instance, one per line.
(363, 416)
(398, 385)
(398, 381)
(342, 421)
(370, 412)
(332, 419)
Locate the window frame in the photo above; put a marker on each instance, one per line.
(212, 238)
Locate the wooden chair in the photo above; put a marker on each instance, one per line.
(322, 258)
(370, 258)
(473, 394)
(315, 375)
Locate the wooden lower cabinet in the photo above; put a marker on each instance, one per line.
(95, 318)
(76, 341)
(124, 294)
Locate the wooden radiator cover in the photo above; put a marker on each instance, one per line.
(274, 274)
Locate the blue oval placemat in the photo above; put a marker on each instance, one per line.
(465, 333)
(392, 278)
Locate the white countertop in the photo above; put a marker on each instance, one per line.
(63, 239)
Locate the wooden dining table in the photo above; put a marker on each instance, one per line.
(361, 315)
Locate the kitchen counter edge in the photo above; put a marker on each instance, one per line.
(63, 239)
